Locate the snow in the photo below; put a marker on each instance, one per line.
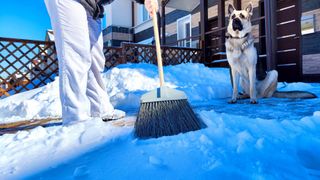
(125, 84)
(276, 139)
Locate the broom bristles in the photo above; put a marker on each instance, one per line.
(166, 118)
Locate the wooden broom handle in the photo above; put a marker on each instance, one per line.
(158, 47)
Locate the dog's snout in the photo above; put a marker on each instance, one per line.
(236, 20)
(237, 25)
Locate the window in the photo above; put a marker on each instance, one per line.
(144, 15)
(104, 21)
(307, 24)
(184, 31)
(147, 41)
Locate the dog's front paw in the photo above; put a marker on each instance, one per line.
(232, 101)
(253, 101)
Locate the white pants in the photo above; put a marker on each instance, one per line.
(79, 44)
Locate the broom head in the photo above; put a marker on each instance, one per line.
(165, 112)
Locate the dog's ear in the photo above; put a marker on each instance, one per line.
(230, 9)
(249, 9)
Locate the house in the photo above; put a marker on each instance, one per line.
(48, 55)
(45, 63)
(35, 70)
(128, 21)
(3, 89)
(310, 27)
(286, 31)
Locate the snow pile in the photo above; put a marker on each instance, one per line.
(276, 139)
(125, 85)
(41, 102)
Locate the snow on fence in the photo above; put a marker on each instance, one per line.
(28, 64)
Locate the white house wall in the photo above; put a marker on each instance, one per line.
(119, 13)
(119, 23)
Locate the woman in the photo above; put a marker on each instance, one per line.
(79, 43)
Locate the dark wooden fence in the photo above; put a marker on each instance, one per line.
(140, 53)
(288, 38)
(27, 64)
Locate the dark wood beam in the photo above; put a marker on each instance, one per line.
(300, 66)
(159, 23)
(204, 28)
(165, 2)
(221, 23)
(163, 21)
(270, 8)
(132, 20)
(237, 4)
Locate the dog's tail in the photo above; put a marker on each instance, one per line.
(294, 94)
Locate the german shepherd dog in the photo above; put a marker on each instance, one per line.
(242, 58)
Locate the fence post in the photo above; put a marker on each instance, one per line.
(204, 28)
(237, 4)
(122, 54)
(163, 21)
(221, 23)
(270, 9)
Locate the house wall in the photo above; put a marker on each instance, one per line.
(310, 42)
(309, 47)
(141, 30)
(53, 57)
(119, 23)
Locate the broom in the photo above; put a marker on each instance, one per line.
(164, 111)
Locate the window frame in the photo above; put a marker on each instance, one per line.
(181, 23)
(143, 10)
(310, 18)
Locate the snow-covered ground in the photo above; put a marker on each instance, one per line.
(276, 139)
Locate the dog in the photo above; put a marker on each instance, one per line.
(242, 58)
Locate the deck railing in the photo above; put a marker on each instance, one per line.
(28, 64)
(141, 53)
(25, 65)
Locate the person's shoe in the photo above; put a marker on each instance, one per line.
(116, 114)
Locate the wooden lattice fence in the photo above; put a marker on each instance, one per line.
(27, 64)
(141, 53)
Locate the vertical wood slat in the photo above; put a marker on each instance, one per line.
(163, 20)
(237, 4)
(270, 8)
(299, 63)
(163, 23)
(221, 23)
(204, 28)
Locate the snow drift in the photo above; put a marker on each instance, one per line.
(276, 139)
